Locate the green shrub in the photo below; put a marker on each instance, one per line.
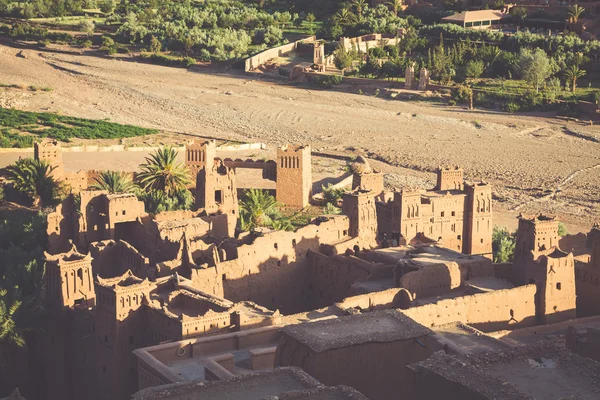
(562, 229)
(332, 195)
(451, 102)
(511, 107)
(530, 100)
(462, 94)
(327, 81)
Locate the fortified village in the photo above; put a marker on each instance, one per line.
(395, 298)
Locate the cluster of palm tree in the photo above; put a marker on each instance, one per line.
(162, 182)
(260, 209)
(353, 11)
(33, 180)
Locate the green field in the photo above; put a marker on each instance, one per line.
(22, 128)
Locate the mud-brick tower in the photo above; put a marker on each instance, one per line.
(200, 153)
(49, 150)
(407, 214)
(535, 233)
(449, 178)
(69, 285)
(216, 190)
(121, 328)
(359, 207)
(479, 226)
(294, 176)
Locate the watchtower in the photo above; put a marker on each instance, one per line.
(359, 207)
(479, 226)
(294, 176)
(535, 233)
(200, 153)
(50, 151)
(69, 279)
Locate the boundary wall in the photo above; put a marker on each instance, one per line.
(257, 60)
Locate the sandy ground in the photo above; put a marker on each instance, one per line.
(533, 165)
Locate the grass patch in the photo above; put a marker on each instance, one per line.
(63, 128)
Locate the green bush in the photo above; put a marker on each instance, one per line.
(531, 100)
(327, 81)
(332, 195)
(562, 229)
(462, 94)
(511, 107)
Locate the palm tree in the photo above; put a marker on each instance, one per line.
(33, 178)
(257, 208)
(396, 5)
(162, 172)
(344, 17)
(575, 12)
(572, 73)
(282, 224)
(359, 5)
(114, 182)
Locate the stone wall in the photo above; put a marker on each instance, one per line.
(488, 312)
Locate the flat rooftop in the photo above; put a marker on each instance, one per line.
(374, 327)
(463, 339)
(255, 386)
(543, 371)
(325, 393)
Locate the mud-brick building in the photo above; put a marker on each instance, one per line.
(367, 351)
(455, 214)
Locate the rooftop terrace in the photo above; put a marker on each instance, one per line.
(380, 326)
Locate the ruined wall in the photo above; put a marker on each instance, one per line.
(62, 226)
(275, 261)
(587, 283)
(390, 298)
(260, 58)
(112, 259)
(372, 181)
(585, 342)
(330, 278)
(432, 280)
(488, 312)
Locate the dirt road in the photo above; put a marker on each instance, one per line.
(532, 163)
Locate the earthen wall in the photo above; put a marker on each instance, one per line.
(492, 311)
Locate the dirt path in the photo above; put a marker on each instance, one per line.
(522, 156)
